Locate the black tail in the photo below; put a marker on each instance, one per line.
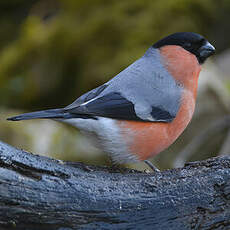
(50, 113)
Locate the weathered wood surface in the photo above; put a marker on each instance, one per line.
(45, 194)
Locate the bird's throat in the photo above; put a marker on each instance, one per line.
(183, 66)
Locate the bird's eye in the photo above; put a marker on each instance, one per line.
(203, 41)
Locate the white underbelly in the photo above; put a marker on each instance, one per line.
(105, 135)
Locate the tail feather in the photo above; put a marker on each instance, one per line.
(50, 113)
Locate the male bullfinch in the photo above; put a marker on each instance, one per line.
(145, 108)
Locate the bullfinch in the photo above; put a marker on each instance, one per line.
(143, 109)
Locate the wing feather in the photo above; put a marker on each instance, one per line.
(114, 105)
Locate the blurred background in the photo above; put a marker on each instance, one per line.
(52, 51)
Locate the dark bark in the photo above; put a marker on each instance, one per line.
(41, 193)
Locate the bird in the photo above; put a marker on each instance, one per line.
(143, 109)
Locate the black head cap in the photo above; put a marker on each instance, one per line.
(192, 42)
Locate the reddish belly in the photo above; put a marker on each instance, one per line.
(146, 139)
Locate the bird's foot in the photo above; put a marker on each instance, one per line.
(152, 166)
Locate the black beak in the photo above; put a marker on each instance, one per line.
(206, 50)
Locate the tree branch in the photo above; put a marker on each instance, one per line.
(37, 192)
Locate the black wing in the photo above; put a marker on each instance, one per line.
(114, 105)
